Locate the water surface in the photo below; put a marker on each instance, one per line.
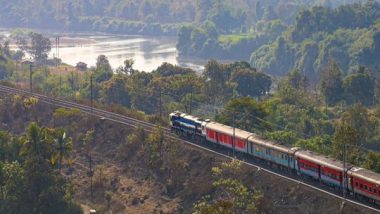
(147, 52)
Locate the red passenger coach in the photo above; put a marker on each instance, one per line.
(223, 135)
(365, 183)
(308, 167)
(320, 167)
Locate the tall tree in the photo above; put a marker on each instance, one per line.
(38, 47)
(346, 142)
(103, 71)
(63, 147)
(251, 83)
(359, 88)
(245, 112)
(331, 83)
(360, 119)
(230, 194)
(115, 90)
(216, 76)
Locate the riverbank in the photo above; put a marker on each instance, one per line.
(148, 52)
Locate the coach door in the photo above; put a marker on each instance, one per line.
(250, 148)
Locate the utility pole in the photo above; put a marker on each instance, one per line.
(233, 135)
(31, 78)
(91, 94)
(57, 50)
(91, 173)
(72, 80)
(191, 100)
(233, 124)
(160, 101)
(344, 171)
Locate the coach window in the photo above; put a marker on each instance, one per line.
(361, 186)
(356, 184)
(365, 187)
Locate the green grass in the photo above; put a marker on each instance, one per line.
(234, 38)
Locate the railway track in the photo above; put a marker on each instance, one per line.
(132, 122)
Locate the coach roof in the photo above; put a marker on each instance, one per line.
(241, 134)
(365, 174)
(321, 160)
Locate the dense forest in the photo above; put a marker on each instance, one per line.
(275, 36)
(338, 109)
(147, 16)
(30, 163)
(348, 34)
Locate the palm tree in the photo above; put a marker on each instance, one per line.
(34, 142)
(63, 146)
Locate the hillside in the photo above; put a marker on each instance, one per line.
(120, 15)
(123, 172)
(274, 44)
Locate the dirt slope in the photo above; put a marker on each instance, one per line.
(125, 175)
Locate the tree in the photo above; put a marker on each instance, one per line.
(63, 146)
(42, 189)
(361, 121)
(169, 70)
(346, 138)
(5, 140)
(216, 76)
(251, 83)
(359, 87)
(372, 162)
(297, 80)
(331, 83)
(12, 188)
(103, 71)
(292, 90)
(184, 39)
(248, 114)
(155, 141)
(230, 194)
(128, 67)
(203, 7)
(36, 142)
(6, 49)
(115, 90)
(39, 47)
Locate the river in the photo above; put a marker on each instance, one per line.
(147, 52)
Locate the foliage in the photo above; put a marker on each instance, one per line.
(372, 161)
(245, 113)
(231, 195)
(347, 34)
(359, 88)
(115, 90)
(331, 83)
(155, 141)
(251, 83)
(37, 46)
(103, 71)
(320, 145)
(30, 183)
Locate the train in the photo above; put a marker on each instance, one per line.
(356, 181)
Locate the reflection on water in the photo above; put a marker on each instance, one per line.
(147, 52)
